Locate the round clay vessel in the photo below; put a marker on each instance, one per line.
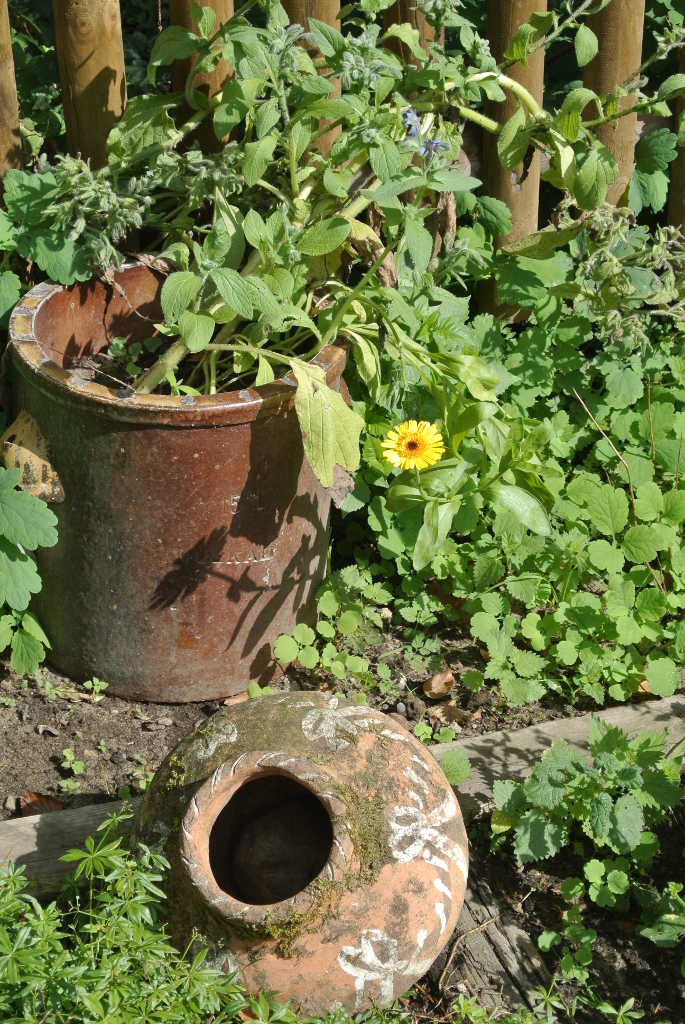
(315, 845)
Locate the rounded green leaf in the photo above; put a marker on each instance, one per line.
(662, 676)
(604, 555)
(594, 871)
(349, 622)
(304, 634)
(618, 882)
(547, 940)
(586, 45)
(286, 649)
(308, 657)
(639, 544)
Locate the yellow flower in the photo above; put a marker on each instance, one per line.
(413, 445)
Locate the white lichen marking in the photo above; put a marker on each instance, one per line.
(337, 726)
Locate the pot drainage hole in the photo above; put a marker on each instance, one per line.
(271, 840)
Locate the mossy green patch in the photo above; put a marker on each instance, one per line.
(326, 896)
(367, 827)
(177, 773)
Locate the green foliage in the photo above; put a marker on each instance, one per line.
(575, 587)
(26, 523)
(109, 945)
(627, 789)
(276, 257)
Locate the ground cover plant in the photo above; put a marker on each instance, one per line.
(516, 515)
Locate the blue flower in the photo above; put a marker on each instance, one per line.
(413, 123)
(430, 147)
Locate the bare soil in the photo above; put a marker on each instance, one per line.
(121, 742)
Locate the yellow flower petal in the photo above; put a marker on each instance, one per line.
(413, 445)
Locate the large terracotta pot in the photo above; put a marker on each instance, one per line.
(316, 847)
(191, 530)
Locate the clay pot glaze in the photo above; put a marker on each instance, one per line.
(315, 845)
(191, 530)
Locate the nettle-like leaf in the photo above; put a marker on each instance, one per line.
(627, 822)
(538, 838)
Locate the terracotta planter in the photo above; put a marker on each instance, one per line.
(191, 530)
(315, 845)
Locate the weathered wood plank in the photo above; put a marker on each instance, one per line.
(489, 955)
(38, 841)
(512, 755)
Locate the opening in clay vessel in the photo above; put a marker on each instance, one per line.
(271, 840)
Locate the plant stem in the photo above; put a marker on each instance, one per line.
(330, 333)
(488, 123)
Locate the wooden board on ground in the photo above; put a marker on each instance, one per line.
(38, 841)
(489, 954)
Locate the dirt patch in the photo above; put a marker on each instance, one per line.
(119, 742)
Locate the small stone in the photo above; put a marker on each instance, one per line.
(386, 617)
(116, 757)
(91, 755)
(401, 683)
(416, 708)
(46, 730)
(166, 721)
(10, 804)
(402, 708)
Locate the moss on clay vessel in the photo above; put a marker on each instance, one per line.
(315, 845)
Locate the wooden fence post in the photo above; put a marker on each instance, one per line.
(676, 191)
(10, 137)
(299, 12)
(90, 52)
(619, 29)
(179, 14)
(522, 197)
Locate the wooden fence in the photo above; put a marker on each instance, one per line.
(91, 62)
